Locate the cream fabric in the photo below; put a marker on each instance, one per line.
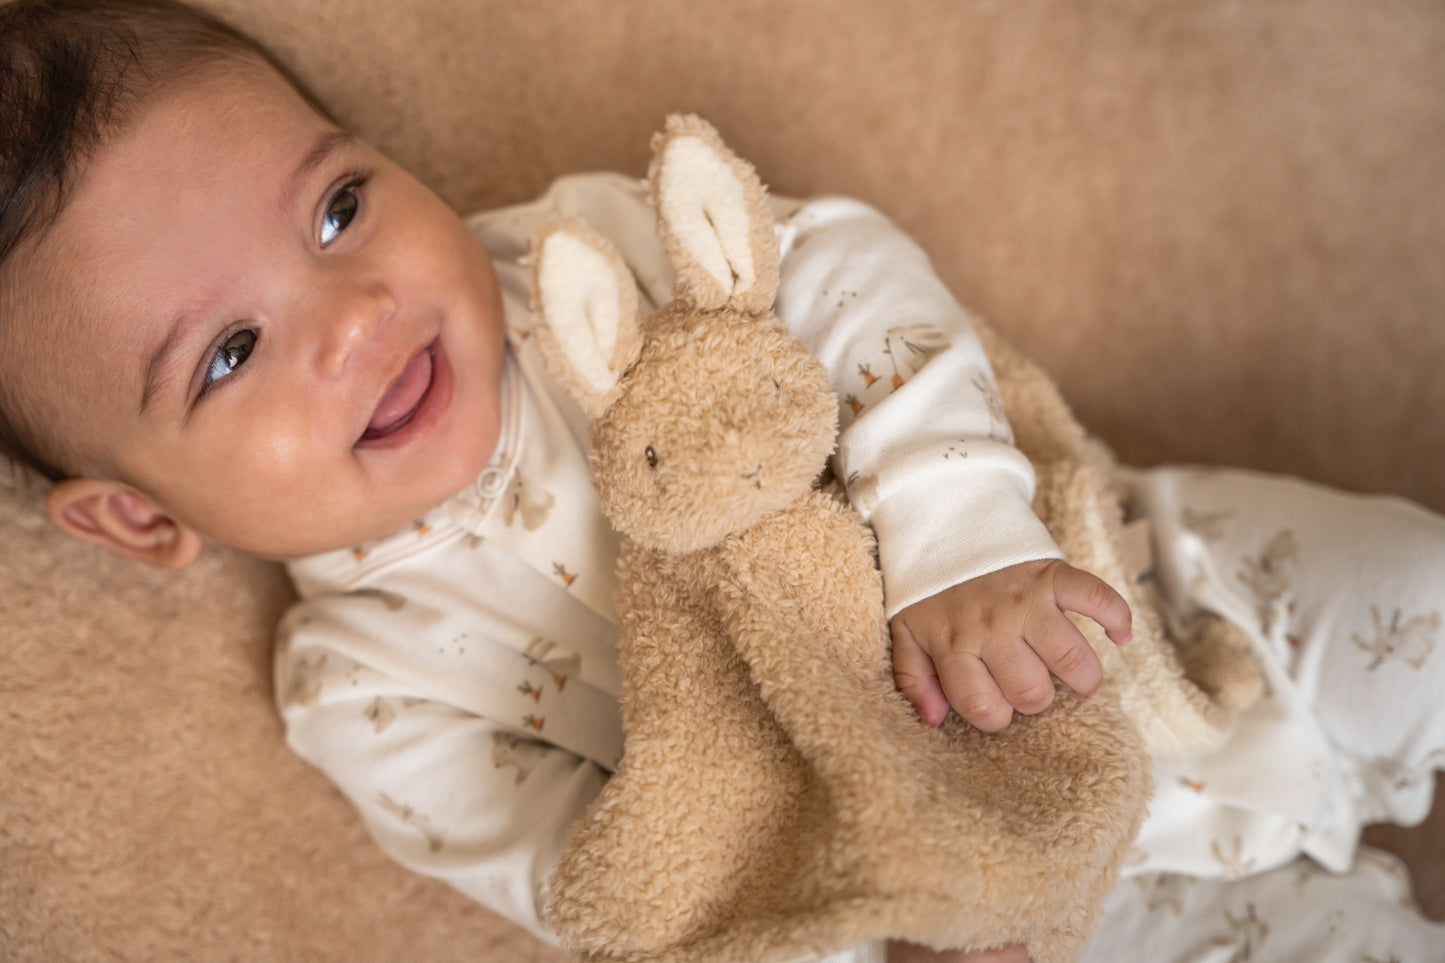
(1343, 597)
(1299, 913)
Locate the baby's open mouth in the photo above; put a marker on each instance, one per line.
(404, 398)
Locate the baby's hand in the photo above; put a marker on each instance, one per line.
(987, 646)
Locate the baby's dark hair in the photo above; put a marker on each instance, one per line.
(71, 73)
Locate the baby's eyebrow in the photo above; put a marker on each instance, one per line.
(326, 145)
(157, 366)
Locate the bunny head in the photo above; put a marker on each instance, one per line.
(707, 416)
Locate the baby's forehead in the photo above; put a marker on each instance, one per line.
(51, 312)
(214, 147)
(185, 197)
(188, 123)
(37, 299)
(224, 132)
(51, 376)
(71, 350)
(242, 97)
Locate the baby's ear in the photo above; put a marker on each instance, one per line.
(123, 520)
(713, 218)
(584, 311)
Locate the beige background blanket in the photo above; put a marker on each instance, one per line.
(1219, 225)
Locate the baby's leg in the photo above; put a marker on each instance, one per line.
(1347, 595)
(1295, 913)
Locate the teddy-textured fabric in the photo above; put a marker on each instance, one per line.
(776, 795)
(1216, 225)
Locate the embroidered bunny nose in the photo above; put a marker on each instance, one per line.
(755, 476)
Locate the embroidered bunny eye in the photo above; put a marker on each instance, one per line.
(651, 457)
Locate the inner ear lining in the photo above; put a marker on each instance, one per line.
(707, 213)
(697, 185)
(582, 305)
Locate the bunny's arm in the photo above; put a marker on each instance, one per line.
(925, 449)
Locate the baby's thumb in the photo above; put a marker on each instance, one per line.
(1085, 593)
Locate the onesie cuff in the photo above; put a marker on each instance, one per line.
(945, 525)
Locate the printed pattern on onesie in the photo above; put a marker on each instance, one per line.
(497, 605)
(1342, 597)
(1301, 912)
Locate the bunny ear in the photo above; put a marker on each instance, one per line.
(713, 219)
(584, 310)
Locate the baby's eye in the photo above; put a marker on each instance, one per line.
(340, 212)
(230, 355)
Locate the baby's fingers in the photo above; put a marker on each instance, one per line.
(1090, 596)
(973, 692)
(916, 677)
(1063, 648)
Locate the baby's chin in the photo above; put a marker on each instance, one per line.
(379, 517)
(285, 535)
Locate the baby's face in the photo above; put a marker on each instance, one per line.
(288, 343)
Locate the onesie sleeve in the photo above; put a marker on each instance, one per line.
(925, 450)
(444, 791)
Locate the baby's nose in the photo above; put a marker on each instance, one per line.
(353, 318)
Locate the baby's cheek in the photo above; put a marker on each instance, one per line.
(281, 454)
(278, 451)
(280, 460)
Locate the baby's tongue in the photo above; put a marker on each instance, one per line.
(403, 396)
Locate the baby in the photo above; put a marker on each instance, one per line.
(227, 319)
(272, 337)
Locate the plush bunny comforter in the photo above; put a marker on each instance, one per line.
(778, 797)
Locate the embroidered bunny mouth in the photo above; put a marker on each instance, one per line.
(404, 398)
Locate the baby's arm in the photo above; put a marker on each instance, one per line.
(974, 585)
